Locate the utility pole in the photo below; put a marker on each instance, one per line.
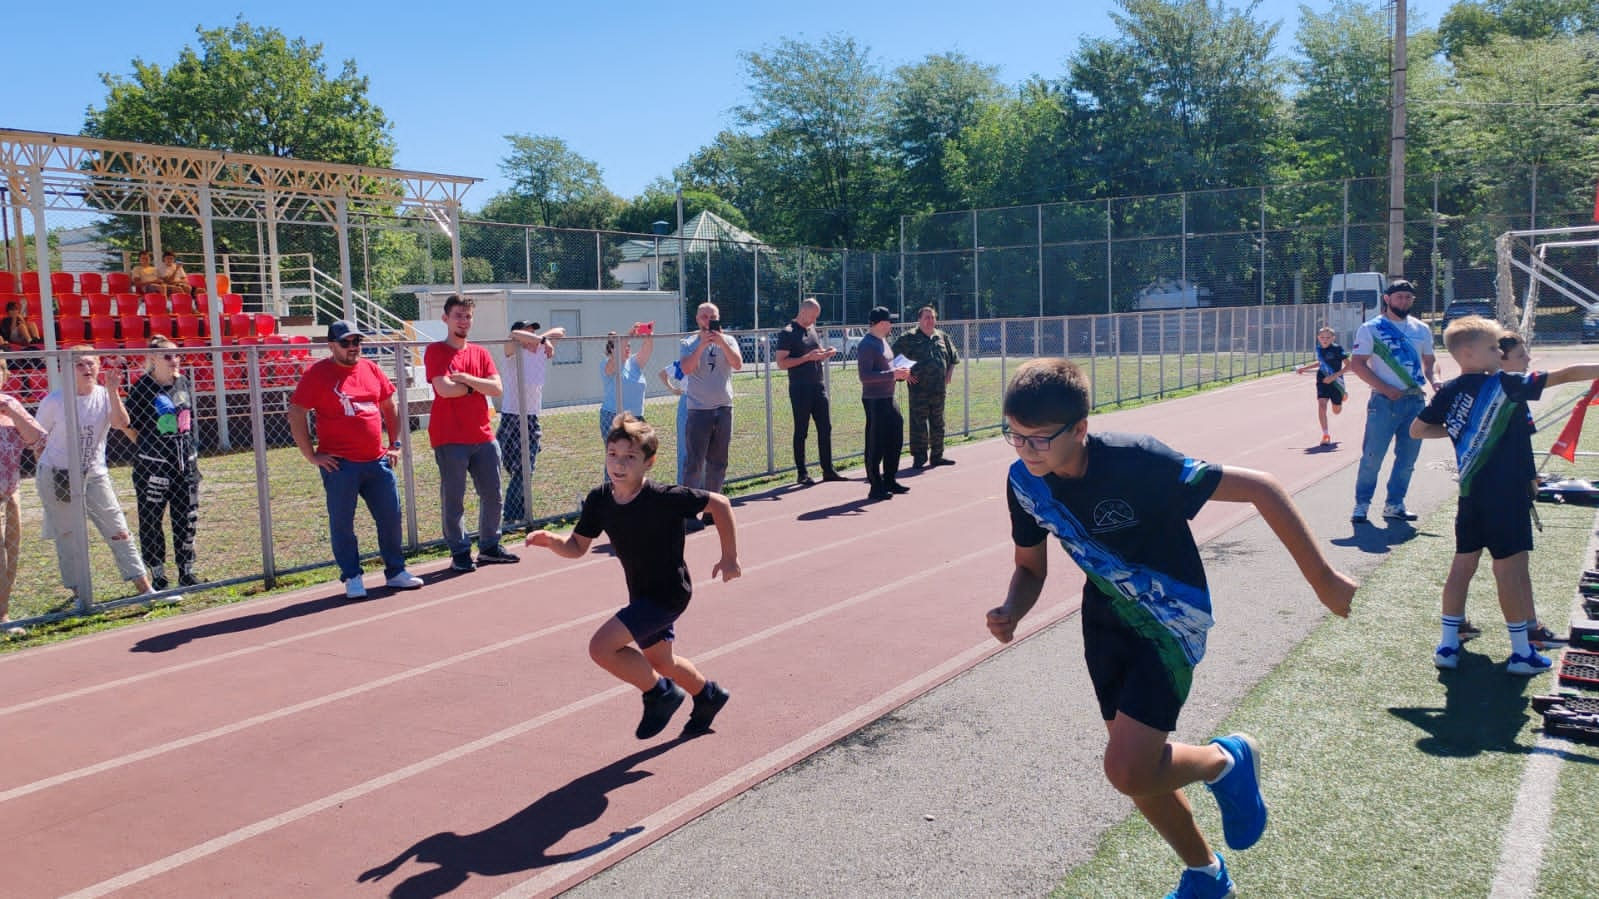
(1396, 152)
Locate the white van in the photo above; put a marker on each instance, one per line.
(1352, 298)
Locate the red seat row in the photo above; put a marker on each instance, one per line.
(132, 330)
(281, 366)
(90, 282)
(124, 304)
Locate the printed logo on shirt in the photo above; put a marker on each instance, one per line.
(353, 407)
(1113, 515)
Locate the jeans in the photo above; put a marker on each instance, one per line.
(885, 437)
(101, 508)
(509, 436)
(482, 462)
(373, 482)
(162, 490)
(710, 433)
(1388, 421)
(809, 401)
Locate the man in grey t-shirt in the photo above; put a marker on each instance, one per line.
(708, 358)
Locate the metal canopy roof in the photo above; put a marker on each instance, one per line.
(108, 176)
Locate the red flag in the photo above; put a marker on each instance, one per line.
(1565, 446)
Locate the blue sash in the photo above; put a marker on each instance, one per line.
(1397, 352)
(1492, 411)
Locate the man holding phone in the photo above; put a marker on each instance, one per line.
(708, 359)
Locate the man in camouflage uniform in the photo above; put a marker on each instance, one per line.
(935, 358)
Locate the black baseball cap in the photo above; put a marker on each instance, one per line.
(342, 329)
(879, 314)
(1400, 285)
(524, 325)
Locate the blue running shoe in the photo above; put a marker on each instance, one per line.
(1243, 810)
(1528, 665)
(1197, 885)
(1447, 657)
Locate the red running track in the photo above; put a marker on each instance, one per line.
(458, 740)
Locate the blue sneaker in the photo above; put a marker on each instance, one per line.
(1196, 885)
(1243, 810)
(1528, 665)
(1446, 657)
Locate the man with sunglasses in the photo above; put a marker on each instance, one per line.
(463, 378)
(354, 403)
(1146, 607)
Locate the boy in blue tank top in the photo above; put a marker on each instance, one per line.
(1120, 505)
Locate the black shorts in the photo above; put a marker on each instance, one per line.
(1330, 392)
(1128, 672)
(1502, 525)
(648, 623)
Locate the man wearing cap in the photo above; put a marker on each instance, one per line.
(520, 407)
(935, 358)
(1393, 355)
(463, 378)
(800, 352)
(885, 427)
(354, 403)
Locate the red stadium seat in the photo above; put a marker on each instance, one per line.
(128, 303)
(182, 304)
(30, 282)
(62, 282)
(103, 332)
(224, 284)
(71, 330)
(68, 304)
(240, 326)
(266, 324)
(99, 304)
(196, 283)
(118, 282)
(232, 303)
(90, 282)
(301, 347)
(202, 305)
(188, 333)
(8, 282)
(160, 323)
(132, 329)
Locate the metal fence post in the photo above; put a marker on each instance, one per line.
(402, 379)
(263, 492)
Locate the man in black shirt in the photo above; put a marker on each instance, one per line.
(800, 353)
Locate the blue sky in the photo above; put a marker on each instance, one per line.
(636, 87)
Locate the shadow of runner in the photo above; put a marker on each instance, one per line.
(1484, 710)
(1370, 538)
(522, 841)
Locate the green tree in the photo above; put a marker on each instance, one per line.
(252, 90)
(1474, 23)
(551, 184)
(816, 122)
(930, 103)
(1340, 122)
(658, 203)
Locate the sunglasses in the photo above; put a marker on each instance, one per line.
(348, 342)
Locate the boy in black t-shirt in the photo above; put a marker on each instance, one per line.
(645, 523)
(1120, 506)
(1331, 361)
(1484, 413)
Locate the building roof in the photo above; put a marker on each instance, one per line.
(707, 226)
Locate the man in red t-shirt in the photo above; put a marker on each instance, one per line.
(352, 399)
(463, 378)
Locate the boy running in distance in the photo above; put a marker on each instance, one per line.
(1331, 361)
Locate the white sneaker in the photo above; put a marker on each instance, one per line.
(171, 599)
(354, 589)
(405, 580)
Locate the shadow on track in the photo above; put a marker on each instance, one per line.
(522, 841)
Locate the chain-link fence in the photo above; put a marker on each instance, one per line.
(261, 506)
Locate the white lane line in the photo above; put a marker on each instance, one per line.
(217, 844)
(1527, 831)
(400, 676)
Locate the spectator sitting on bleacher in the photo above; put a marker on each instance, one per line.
(17, 330)
(146, 279)
(172, 275)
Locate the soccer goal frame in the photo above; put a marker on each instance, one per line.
(1528, 252)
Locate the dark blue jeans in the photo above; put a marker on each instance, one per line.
(509, 435)
(373, 482)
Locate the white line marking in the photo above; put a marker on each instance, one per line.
(1527, 831)
(217, 844)
(398, 677)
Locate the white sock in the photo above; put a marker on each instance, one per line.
(1211, 870)
(1518, 637)
(1450, 639)
(1228, 769)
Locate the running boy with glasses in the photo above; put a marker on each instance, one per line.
(1120, 505)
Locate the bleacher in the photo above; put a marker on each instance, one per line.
(105, 312)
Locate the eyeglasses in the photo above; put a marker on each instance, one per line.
(1036, 444)
(348, 342)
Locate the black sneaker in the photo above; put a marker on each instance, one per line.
(805, 480)
(188, 579)
(918, 462)
(158, 582)
(941, 461)
(462, 562)
(832, 476)
(658, 708)
(706, 705)
(496, 555)
(898, 488)
(876, 494)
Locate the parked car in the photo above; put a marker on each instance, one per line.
(846, 340)
(1462, 308)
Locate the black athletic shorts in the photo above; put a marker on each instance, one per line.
(648, 623)
(1128, 672)
(1329, 392)
(1501, 525)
